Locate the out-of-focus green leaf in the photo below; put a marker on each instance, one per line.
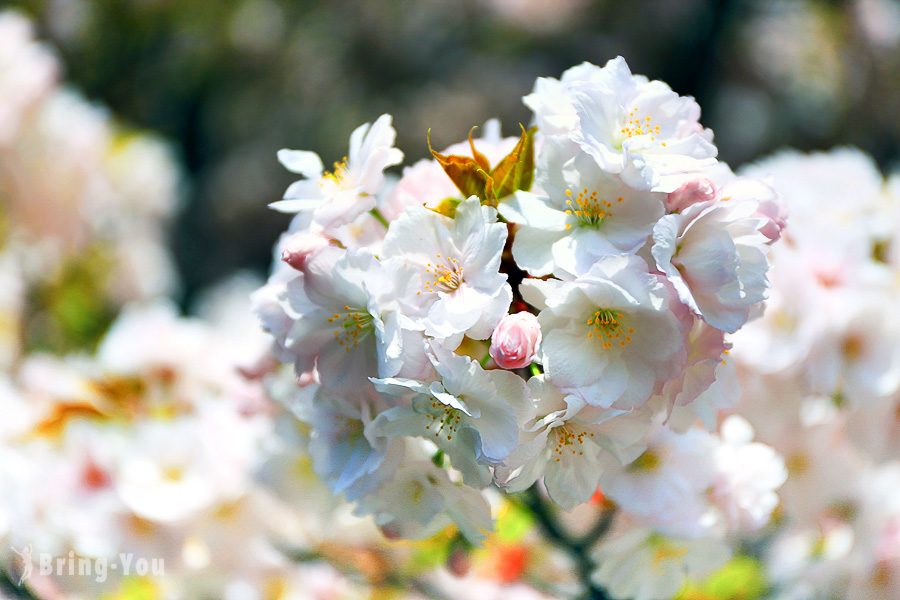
(71, 310)
(741, 578)
(135, 588)
(433, 552)
(513, 523)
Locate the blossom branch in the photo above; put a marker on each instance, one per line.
(10, 589)
(579, 548)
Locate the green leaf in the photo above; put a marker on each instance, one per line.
(432, 552)
(741, 578)
(513, 523)
(516, 170)
(135, 588)
(480, 158)
(71, 310)
(465, 172)
(473, 175)
(447, 207)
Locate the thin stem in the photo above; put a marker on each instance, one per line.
(578, 549)
(380, 217)
(541, 513)
(600, 529)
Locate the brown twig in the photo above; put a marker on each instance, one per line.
(577, 548)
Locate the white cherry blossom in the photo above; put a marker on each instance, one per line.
(570, 444)
(339, 196)
(638, 127)
(586, 213)
(552, 99)
(611, 336)
(345, 450)
(471, 414)
(747, 475)
(665, 488)
(708, 382)
(454, 268)
(345, 321)
(421, 499)
(714, 253)
(640, 564)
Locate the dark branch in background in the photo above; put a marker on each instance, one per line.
(9, 589)
(703, 52)
(578, 548)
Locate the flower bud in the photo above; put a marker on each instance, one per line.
(515, 340)
(262, 366)
(692, 192)
(391, 531)
(458, 562)
(775, 213)
(299, 247)
(308, 378)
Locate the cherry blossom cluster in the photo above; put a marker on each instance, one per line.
(77, 191)
(147, 447)
(551, 307)
(186, 463)
(821, 376)
(158, 444)
(586, 355)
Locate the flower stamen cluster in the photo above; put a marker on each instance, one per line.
(445, 276)
(588, 209)
(353, 326)
(607, 327)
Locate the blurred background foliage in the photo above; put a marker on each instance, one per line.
(230, 82)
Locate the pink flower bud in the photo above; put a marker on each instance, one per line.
(515, 340)
(308, 378)
(262, 366)
(299, 247)
(391, 531)
(775, 213)
(692, 192)
(459, 562)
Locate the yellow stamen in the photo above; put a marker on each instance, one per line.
(444, 276)
(569, 441)
(606, 325)
(337, 173)
(445, 420)
(588, 208)
(351, 327)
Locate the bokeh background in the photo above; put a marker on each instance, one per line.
(228, 83)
